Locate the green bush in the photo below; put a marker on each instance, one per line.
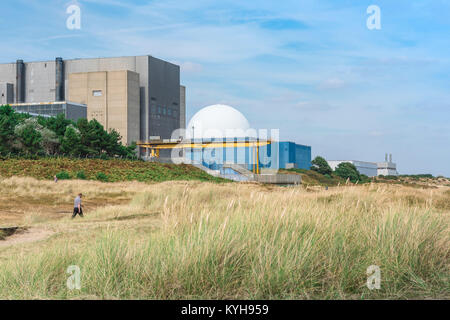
(63, 175)
(418, 176)
(81, 175)
(347, 170)
(101, 177)
(321, 165)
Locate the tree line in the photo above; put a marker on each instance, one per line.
(345, 170)
(24, 135)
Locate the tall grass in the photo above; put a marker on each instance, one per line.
(247, 242)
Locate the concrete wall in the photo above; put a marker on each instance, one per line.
(164, 92)
(134, 107)
(6, 93)
(113, 99)
(8, 75)
(137, 64)
(40, 81)
(75, 112)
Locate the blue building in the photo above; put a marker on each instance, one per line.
(276, 155)
(221, 135)
(293, 155)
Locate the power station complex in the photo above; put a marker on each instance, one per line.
(141, 97)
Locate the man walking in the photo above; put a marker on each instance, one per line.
(77, 208)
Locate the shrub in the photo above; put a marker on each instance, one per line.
(63, 175)
(364, 178)
(321, 165)
(347, 170)
(81, 175)
(101, 177)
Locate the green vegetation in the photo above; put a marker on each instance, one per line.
(63, 175)
(236, 241)
(416, 181)
(418, 176)
(322, 174)
(321, 165)
(22, 135)
(81, 175)
(112, 170)
(347, 170)
(389, 177)
(100, 176)
(311, 177)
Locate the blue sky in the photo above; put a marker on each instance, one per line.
(308, 67)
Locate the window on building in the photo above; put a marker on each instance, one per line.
(169, 112)
(97, 93)
(164, 111)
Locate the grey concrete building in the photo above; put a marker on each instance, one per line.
(160, 105)
(113, 100)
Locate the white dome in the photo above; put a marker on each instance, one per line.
(218, 121)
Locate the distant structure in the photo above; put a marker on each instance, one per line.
(387, 168)
(225, 123)
(220, 141)
(139, 96)
(370, 169)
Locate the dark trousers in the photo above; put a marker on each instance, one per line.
(76, 211)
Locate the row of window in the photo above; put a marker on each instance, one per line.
(51, 110)
(163, 111)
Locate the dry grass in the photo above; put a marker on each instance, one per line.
(202, 240)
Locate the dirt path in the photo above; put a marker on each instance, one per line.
(14, 212)
(26, 236)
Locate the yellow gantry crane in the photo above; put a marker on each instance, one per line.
(156, 145)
